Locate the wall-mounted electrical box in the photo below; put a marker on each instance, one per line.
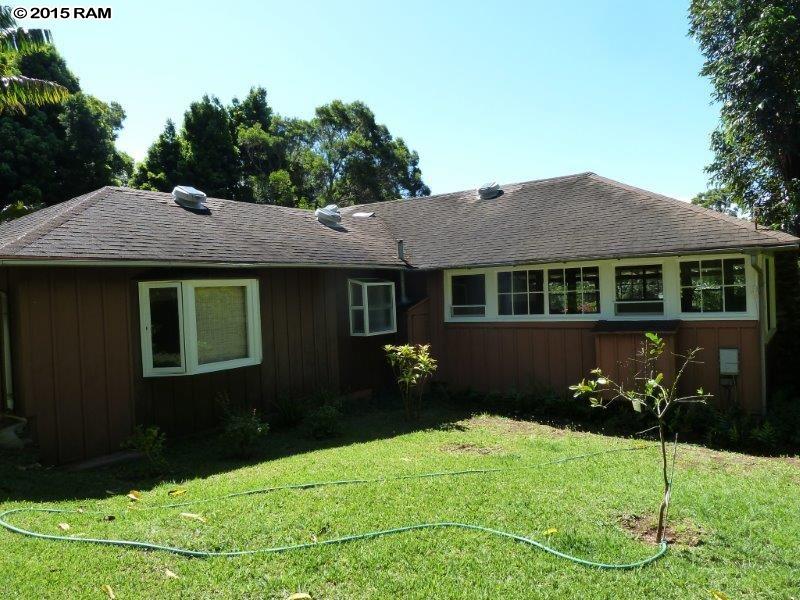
(728, 361)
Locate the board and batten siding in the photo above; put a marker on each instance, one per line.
(493, 355)
(77, 357)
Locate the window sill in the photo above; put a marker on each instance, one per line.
(207, 368)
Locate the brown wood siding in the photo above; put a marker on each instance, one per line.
(503, 356)
(77, 358)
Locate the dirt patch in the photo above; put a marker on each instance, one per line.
(467, 448)
(645, 528)
(518, 426)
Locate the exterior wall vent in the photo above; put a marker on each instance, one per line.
(189, 197)
(489, 190)
(329, 215)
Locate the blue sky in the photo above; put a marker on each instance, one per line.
(504, 91)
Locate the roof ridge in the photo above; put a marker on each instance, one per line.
(743, 223)
(39, 231)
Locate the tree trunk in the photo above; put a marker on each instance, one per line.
(662, 511)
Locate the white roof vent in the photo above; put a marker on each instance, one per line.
(363, 215)
(489, 190)
(329, 215)
(189, 197)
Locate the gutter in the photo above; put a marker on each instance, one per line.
(68, 262)
(761, 331)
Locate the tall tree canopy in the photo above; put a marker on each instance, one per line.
(752, 52)
(54, 152)
(247, 152)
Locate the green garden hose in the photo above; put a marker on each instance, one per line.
(340, 540)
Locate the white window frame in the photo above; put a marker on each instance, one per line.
(365, 284)
(640, 315)
(722, 285)
(528, 293)
(187, 323)
(670, 274)
(485, 296)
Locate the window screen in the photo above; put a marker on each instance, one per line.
(165, 327)
(221, 314)
(573, 291)
(520, 292)
(640, 289)
(469, 295)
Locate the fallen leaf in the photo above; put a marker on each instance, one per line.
(299, 596)
(81, 511)
(135, 495)
(176, 492)
(170, 574)
(551, 531)
(717, 595)
(63, 526)
(109, 591)
(194, 516)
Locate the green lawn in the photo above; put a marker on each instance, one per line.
(745, 511)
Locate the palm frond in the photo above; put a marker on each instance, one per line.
(17, 91)
(19, 39)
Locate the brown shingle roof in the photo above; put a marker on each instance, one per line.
(125, 224)
(576, 217)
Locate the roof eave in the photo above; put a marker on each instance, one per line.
(96, 262)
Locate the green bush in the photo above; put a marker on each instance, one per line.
(242, 432)
(150, 442)
(289, 412)
(324, 422)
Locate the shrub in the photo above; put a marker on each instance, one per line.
(242, 432)
(324, 422)
(150, 442)
(289, 412)
(242, 429)
(413, 366)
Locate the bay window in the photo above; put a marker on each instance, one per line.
(639, 290)
(198, 326)
(372, 307)
(573, 291)
(713, 285)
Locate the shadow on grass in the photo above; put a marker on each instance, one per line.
(204, 455)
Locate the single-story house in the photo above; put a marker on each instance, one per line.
(124, 307)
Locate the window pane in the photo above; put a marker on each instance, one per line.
(357, 320)
(591, 279)
(573, 303)
(165, 327)
(379, 296)
(380, 319)
(468, 311)
(504, 282)
(735, 299)
(711, 273)
(555, 280)
(591, 303)
(639, 283)
(690, 300)
(734, 271)
(536, 304)
(557, 304)
(640, 308)
(504, 304)
(572, 278)
(356, 294)
(520, 281)
(712, 300)
(221, 313)
(690, 273)
(521, 304)
(469, 289)
(535, 281)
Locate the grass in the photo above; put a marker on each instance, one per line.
(743, 510)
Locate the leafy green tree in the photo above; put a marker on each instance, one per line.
(17, 90)
(54, 152)
(160, 169)
(209, 160)
(355, 159)
(752, 52)
(721, 201)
